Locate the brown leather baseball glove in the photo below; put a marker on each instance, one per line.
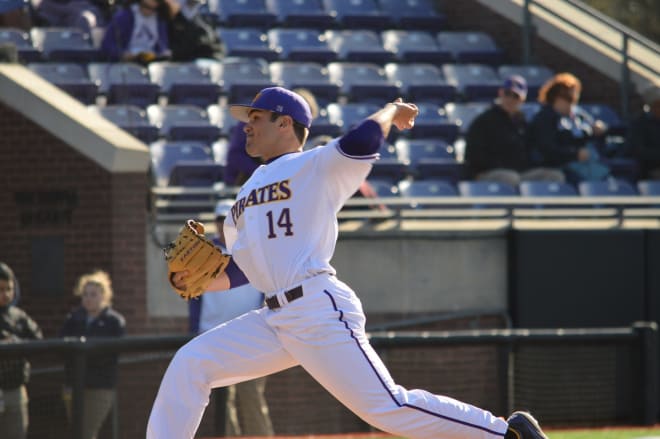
(194, 252)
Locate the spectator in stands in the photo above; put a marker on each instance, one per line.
(138, 33)
(495, 147)
(82, 14)
(191, 36)
(15, 13)
(246, 409)
(644, 134)
(94, 318)
(239, 164)
(15, 326)
(561, 137)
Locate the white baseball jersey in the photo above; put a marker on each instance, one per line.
(283, 227)
(282, 233)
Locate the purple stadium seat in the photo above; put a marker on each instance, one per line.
(301, 13)
(347, 115)
(476, 82)
(131, 119)
(414, 14)
(421, 82)
(312, 76)
(471, 47)
(432, 121)
(241, 78)
(546, 189)
(219, 116)
(64, 44)
(356, 14)
(124, 83)
(486, 189)
(430, 158)
(611, 187)
(649, 188)
(70, 77)
(166, 155)
(363, 82)
(185, 83)
(464, 113)
(21, 39)
(359, 46)
(183, 122)
(247, 42)
(415, 46)
(301, 45)
(389, 165)
(242, 13)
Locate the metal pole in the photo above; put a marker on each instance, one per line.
(527, 34)
(648, 337)
(77, 415)
(625, 77)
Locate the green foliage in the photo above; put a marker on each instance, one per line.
(642, 16)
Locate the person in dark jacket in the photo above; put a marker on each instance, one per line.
(138, 33)
(561, 137)
(495, 148)
(94, 318)
(191, 36)
(644, 134)
(15, 326)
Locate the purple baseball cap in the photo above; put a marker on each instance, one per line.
(516, 84)
(278, 100)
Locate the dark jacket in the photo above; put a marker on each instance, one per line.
(193, 39)
(496, 140)
(16, 325)
(554, 141)
(102, 368)
(118, 36)
(644, 141)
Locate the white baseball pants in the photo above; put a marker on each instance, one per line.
(323, 331)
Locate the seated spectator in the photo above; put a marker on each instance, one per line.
(495, 147)
(560, 137)
(82, 14)
(94, 318)
(15, 326)
(190, 35)
(138, 33)
(15, 13)
(644, 135)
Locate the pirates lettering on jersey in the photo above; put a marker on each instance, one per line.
(269, 193)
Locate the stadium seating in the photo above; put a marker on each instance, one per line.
(185, 83)
(166, 155)
(384, 187)
(64, 44)
(26, 51)
(432, 121)
(358, 46)
(70, 77)
(430, 158)
(301, 45)
(415, 46)
(312, 76)
(529, 109)
(323, 125)
(219, 116)
(220, 149)
(244, 13)
(131, 119)
(607, 114)
(414, 14)
(427, 188)
(355, 14)
(183, 122)
(649, 188)
(421, 82)
(389, 165)
(241, 78)
(247, 42)
(464, 113)
(297, 13)
(347, 115)
(546, 189)
(362, 82)
(534, 75)
(471, 47)
(124, 83)
(486, 189)
(608, 188)
(475, 82)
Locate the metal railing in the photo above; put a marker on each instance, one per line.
(641, 335)
(626, 35)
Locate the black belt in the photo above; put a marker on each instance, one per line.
(291, 295)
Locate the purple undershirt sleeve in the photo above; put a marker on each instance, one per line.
(236, 276)
(362, 140)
